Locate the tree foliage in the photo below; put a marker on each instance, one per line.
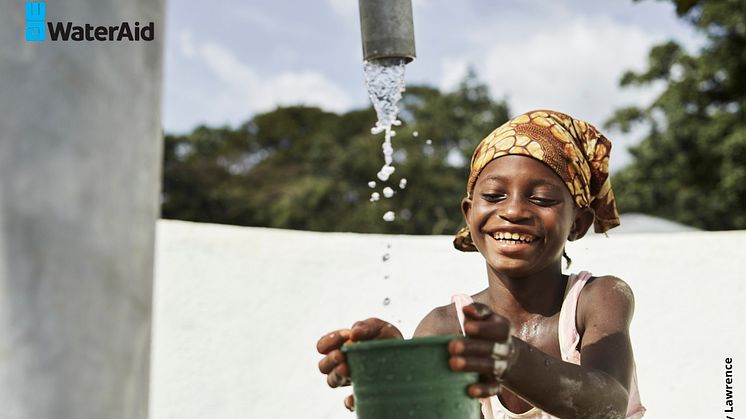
(691, 165)
(303, 168)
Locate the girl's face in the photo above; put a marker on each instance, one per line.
(521, 214)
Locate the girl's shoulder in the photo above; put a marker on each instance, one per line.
(440, 321)
(607, 296)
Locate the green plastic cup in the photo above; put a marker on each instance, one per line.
(395, 378)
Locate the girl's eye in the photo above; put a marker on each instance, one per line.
(493, 197)
(542, 201)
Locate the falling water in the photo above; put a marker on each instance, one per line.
(385, 82)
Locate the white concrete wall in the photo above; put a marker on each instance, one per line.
(238, 312)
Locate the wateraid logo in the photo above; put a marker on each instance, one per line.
(37, 26)
(36, 14)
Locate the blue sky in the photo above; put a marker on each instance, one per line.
(228, 60)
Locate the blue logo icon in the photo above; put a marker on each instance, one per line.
(36, 14)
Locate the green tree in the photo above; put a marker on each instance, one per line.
(303, 168)
(691, 164)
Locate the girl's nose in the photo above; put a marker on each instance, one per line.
(513, 209)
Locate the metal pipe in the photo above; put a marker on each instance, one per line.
(387, 29)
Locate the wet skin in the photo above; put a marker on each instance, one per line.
(517, 194)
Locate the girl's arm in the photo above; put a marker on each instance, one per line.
(598, 388)
(441, 321)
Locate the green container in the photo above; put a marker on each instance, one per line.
(393, 379)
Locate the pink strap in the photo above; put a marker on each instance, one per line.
(461, 301)
(567, 330)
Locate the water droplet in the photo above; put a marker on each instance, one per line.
(385, 172)
(388, 192)
(386, 257)
(389, 216)
(372, 184)
(414, 134)
(403, 183)
(386, 301)
(428, 141)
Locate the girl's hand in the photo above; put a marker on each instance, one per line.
(334, 364)
(487, 350)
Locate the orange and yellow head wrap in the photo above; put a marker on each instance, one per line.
(574, 149)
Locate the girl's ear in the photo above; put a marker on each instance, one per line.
(466, 208)
(583, 220)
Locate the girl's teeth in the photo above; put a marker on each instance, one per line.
(513, 237)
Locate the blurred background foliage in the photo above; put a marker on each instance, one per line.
(304, 168)
(691, 164)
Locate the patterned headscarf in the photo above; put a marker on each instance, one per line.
(574, 149)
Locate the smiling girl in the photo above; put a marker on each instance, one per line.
(545, 344)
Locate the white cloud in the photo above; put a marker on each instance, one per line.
(573, 67)
(347, 9)
(186, 44)
(344, 8)
(252, 14)
(240, 91)
(453, 71)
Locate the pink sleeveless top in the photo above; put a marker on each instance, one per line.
(569, 338)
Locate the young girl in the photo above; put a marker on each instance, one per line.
(545, 344)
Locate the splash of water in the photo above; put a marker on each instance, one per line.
(385, 82)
